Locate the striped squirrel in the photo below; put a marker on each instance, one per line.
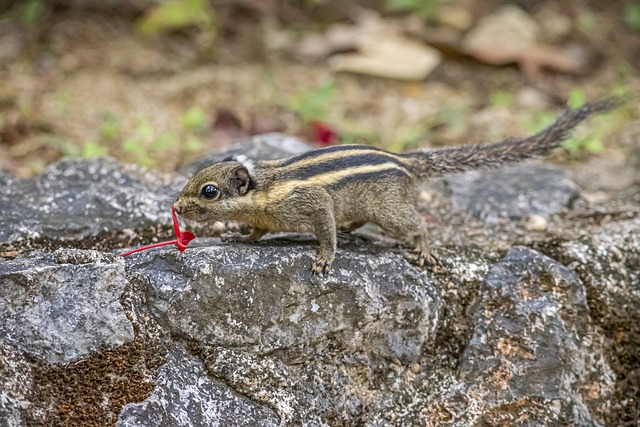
(349, 185)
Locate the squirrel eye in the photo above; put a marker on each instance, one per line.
(209, 191)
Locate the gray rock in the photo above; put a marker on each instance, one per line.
(514, 192)
(185, 396)
(59, 307)
(608, 260)
(75, 198)
(10, 414)
(532, 356)
(269, 146)
(16, 382)
(264, 298)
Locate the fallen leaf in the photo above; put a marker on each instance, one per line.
(372, 46)
(389, 56)
(512, 36)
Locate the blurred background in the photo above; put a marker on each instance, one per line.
(158, 83)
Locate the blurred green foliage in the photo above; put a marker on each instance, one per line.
(631, 14)
(194, 119)
(32, 12)
(314, 104)
(109, 128)
(426, 9)
(177, 14)
(501, 98)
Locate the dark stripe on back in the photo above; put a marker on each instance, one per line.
(321, 151)
(342, 163)
(368, 176)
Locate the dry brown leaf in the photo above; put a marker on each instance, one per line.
(375, 46)
(391, 57)
(512, 36)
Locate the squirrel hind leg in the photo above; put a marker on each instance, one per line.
(406, 224)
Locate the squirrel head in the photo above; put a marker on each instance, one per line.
(213, 193)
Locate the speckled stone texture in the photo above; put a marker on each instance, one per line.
(185, 396)
(77, 198)
(513, 192)
(371, 303)
(59, 308)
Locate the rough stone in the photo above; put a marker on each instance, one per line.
(533, 358)
(514, 192)
(264, 298)
(58, 311)
(75, 198)
(15, 383)
(532, 354)
(608, 260)
(186, 396)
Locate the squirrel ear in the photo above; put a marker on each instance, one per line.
(242, 181)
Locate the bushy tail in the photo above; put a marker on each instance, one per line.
(486, 156)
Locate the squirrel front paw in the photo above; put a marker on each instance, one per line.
(424, 259)
(321, 266)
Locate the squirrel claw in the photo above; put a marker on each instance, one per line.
(320, 266)
(424, 259)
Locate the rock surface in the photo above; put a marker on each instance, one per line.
(58, 308)
(532, 354)
(186, 396)
(376, 304)
(76, 198)
(513, 330)
(513, 192)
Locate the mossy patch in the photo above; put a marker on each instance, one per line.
(93, 390)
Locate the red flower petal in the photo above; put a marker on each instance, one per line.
(176, 226)
(324, 134)
(182, 239)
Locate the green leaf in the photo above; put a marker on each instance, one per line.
(165, 141)
(315, 104)
(174, 14)
(501, 98)
(32, 12)
(632, 15)
(193, 119)
(133, 146)
(577, 98)
(587, 22)
(109, 128)
(539, 121)
(93, 149)
(68, 149)
(194, 145)
(594, 144)
(424, 8)
(144, 131)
